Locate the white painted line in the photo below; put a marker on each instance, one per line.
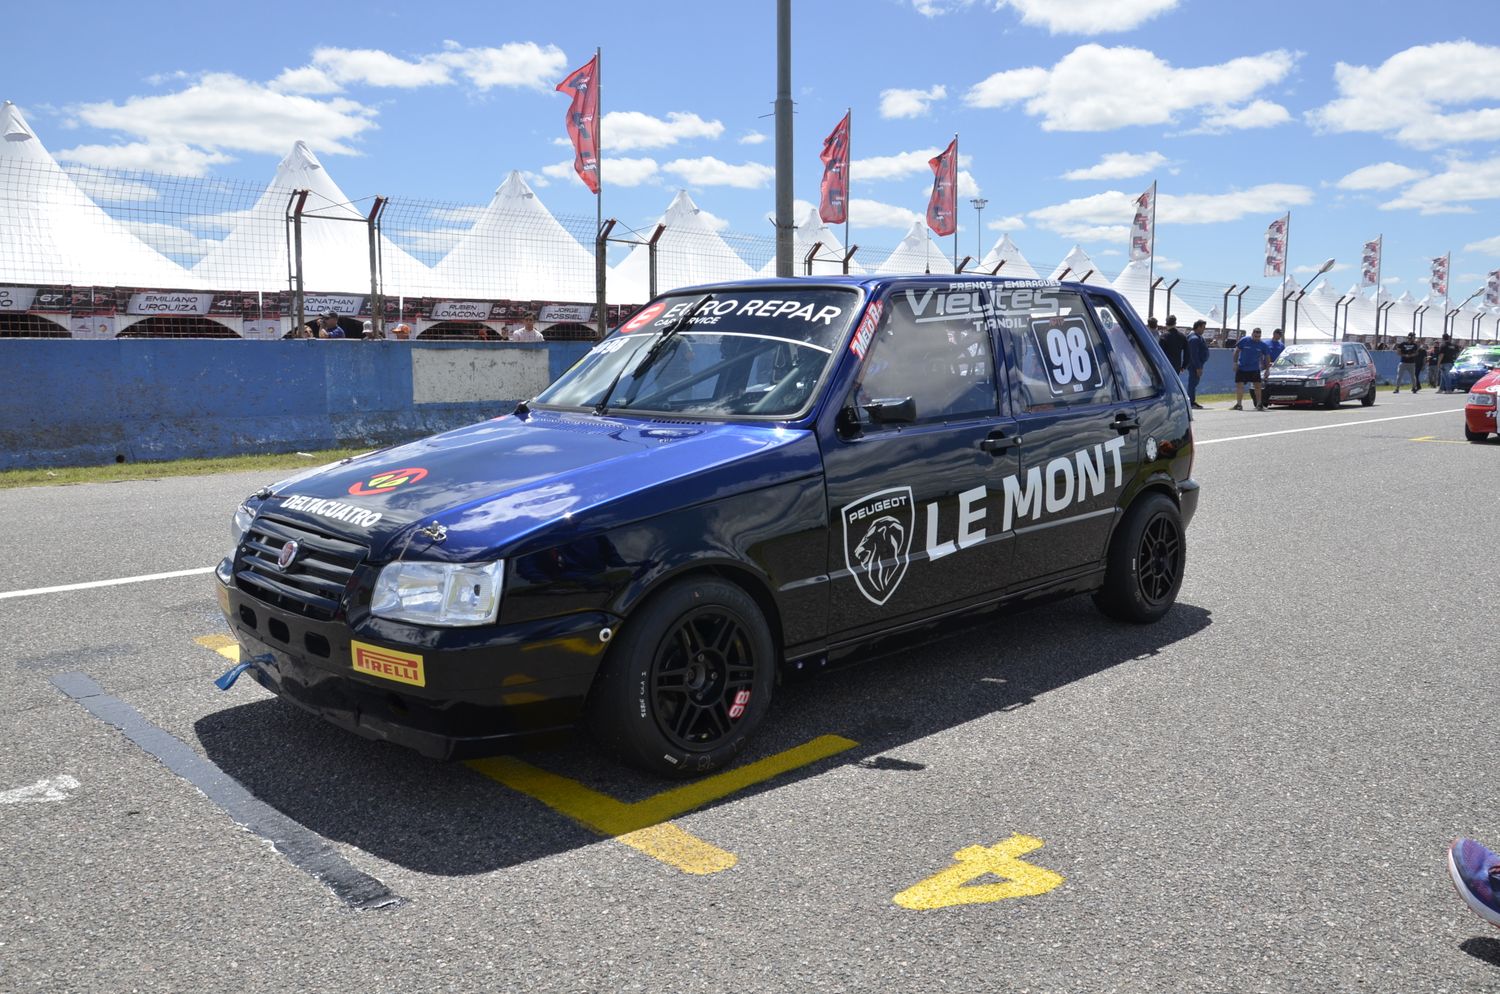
(53, 789)
(105, 583)
(1293, 431)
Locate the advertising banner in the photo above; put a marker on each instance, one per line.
(460, 310)
(1439, 281)
(833, 200)
(1143, 228)
(16, 299)
(1369, 264)
(574, 313)
(582, 85)
(1276, 245)
(942, 206)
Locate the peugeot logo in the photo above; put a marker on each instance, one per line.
(288, 556)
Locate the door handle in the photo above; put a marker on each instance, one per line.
(1124, 423)
(998, 442)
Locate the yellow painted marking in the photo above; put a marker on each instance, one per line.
(1433, 438)
(644, 824)
(224, 645)
(953, 886)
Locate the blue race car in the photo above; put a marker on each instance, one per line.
(741, 478)
(1472, 364)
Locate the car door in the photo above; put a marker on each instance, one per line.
(1359, 375)
(1081, 438)
(913, 470)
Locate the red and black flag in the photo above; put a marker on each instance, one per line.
(833, 204)
(942, 207)
(582, 85)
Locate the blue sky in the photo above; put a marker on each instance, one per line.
(1361, 117)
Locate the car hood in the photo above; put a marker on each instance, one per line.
(1300, 370)
(1488, 382)
(505, 486)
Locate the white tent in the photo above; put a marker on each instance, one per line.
(1134, 284)
(1309, 318)
(917, 253)
(1077, 267)
(1015, 266)
(812, 231)
(335, 253)
(1400, 319)
(516, 250)
(1267, 316)
(52, 232)
(690, 252)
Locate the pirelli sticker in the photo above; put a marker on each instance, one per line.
(388, 664)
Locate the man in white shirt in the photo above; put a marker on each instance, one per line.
(527, 332)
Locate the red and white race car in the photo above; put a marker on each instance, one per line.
(1479, 412)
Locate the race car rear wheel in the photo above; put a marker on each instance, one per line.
(1368, 400)
(1146, 559)
(687, 679)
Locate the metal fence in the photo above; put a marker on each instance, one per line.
(95, 253)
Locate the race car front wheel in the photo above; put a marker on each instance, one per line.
(1146, 559)
(687, 679)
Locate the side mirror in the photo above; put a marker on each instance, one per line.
(847, 423)
(892, 410)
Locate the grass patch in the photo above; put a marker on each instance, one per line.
(117, 472)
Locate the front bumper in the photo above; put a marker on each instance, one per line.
(1479, 419)
(1187, 500)
(1295, 393)
(481, 686)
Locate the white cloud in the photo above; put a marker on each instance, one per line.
(147, 157)
(935, 8)
(1162, 264)
(752, 138)
(1088, 17)
(625, 130)
(535, 179)
(223, 111)
(714, 221)
(1013, 222)
(1489, 246)
(1309, 269)
(517, 65)
(1094, 88)
(898, 166)
(709, 171)
(1119, 165)
(874, 214)
(308, 79)
(967, 185)
(1408, 96)
(1103, 216)
(614, 171)
(909, 103)
(1450, 191)
(108, 187)
(1380, 176)
(1257, 114)
(373, 67)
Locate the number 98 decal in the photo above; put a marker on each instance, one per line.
(1068, 351)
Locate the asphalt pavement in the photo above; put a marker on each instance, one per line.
(1254, 794)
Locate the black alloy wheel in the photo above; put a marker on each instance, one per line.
(1335, 396)
(687, 679)
(1159, 560)
(1146, 561)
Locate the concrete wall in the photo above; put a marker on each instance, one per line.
(71, 403)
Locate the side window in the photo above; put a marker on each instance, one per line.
(1058, 354)
(930, 345)
(1138, 375)
(1351, 356)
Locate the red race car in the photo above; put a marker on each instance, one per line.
(1479, 412)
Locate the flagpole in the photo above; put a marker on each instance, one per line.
(1286, 255)
(1151, 259)
(955, 202)
(848, 176)
(601, 264)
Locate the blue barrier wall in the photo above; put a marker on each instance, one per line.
(74, 403)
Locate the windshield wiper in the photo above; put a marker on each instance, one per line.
(602, 408)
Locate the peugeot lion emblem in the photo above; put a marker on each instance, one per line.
(877, 541)
(288, 556)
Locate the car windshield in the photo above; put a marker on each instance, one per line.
(742, 351)
(1487, 356)
(1308, 357)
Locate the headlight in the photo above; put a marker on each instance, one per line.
(1482, 399)
(439, 593)
(240, 524)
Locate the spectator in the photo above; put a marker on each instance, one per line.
(328, 325)
(1251, 357)
(1174, 343)
(527, 332)
(401, 332)
(1447, 352)
(306, 331)
(1197, 358)
(368, 332)
(1410, 352)
(1276, 345)
(1152, 327)
(1431, 362)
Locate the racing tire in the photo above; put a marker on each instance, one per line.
(1144, 568)
(1475, 436)
(686, 680)
(1368, 400)
(1335, 397)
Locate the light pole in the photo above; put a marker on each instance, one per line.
(1327, 265)
(979, 204)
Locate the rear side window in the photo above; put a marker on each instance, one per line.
(1138, 376)
(1058, 353)
(931, 347)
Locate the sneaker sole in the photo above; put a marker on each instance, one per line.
(1475, 905)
